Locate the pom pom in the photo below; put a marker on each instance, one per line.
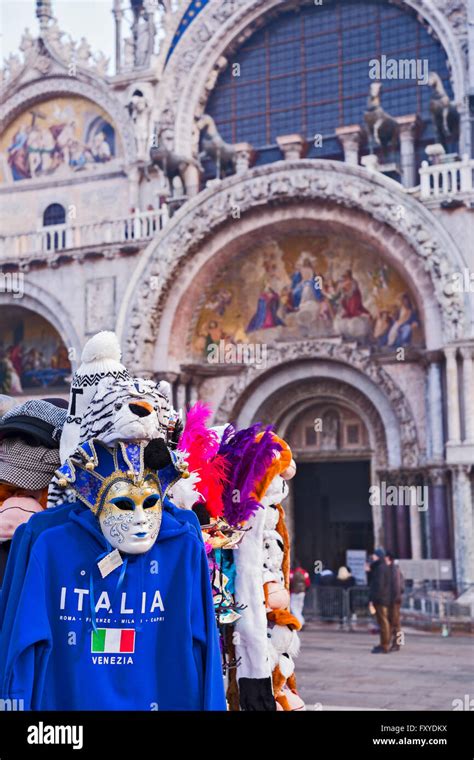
(104, 345)
(156, 455)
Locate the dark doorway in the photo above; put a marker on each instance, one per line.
(332, 511)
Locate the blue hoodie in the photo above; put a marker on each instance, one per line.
(22, 543)
(155, 646)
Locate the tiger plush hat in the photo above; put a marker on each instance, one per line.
(128, 410)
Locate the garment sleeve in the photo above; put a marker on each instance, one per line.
(30, 643)
(205, 638)
(10, 570)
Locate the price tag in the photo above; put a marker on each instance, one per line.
(108, 564)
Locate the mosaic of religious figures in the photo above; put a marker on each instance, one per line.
(56, 137)
(303, 286)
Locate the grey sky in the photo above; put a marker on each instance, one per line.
(91, 19)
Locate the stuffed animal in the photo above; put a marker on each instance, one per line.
(284, 646)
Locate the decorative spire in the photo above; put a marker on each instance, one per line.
(44, 12)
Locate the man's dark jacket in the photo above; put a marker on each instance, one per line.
(380, 585)
(397, 584)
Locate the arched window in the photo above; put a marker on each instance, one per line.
(308, 73)
(55, 214)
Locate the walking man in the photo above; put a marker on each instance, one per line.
(397, 587)
(380, 598)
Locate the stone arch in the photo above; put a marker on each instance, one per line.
(63, 86)
(193, 68)
(315, 190)
(335, 361)
(41, 302)
(291, 401)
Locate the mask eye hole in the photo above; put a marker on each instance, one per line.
(121, 502)
(150, 501)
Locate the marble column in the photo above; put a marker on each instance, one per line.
(463, 526)
(401, 518)
(438, 514)
(133, 188)
(468, 393)
(292, 146)
(407, 131)
(350, 137)
(416, 543)
(454, 422)
(244, 157)
(434, 398)
(191, 180)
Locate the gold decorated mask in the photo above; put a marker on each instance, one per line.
(130, 517)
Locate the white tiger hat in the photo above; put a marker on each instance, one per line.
(127, 410)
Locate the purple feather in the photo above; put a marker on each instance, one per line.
(248, 461)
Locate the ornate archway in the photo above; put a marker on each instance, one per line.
(316, 191)
(57, 86)
(41, 302)
(346, 370)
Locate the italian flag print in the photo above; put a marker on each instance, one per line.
(113, 640)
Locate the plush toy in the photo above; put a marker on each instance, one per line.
(284, 646)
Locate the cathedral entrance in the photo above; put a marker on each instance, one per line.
(330, 493)
(331, 511)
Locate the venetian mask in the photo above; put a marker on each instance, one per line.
(130, 518)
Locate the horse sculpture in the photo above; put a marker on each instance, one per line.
(171, 164)
(382, 128)
(443, 112)
(215, 147)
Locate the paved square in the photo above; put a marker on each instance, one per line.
(335, 670)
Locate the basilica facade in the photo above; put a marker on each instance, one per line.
(270, 202)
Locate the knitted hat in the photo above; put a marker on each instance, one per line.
(380, 553)
(100, 358)
(24, 466)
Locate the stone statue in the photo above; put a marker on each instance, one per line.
(101, 63)
(128, 53)
(444, 113)
(27, 44)
(83, 52)
(139, 109)
(382, 129)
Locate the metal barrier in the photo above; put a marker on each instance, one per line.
(335, 604)
(351, 606)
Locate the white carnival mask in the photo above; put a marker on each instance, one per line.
(130, 518)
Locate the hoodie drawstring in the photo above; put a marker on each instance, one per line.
(123, 569)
